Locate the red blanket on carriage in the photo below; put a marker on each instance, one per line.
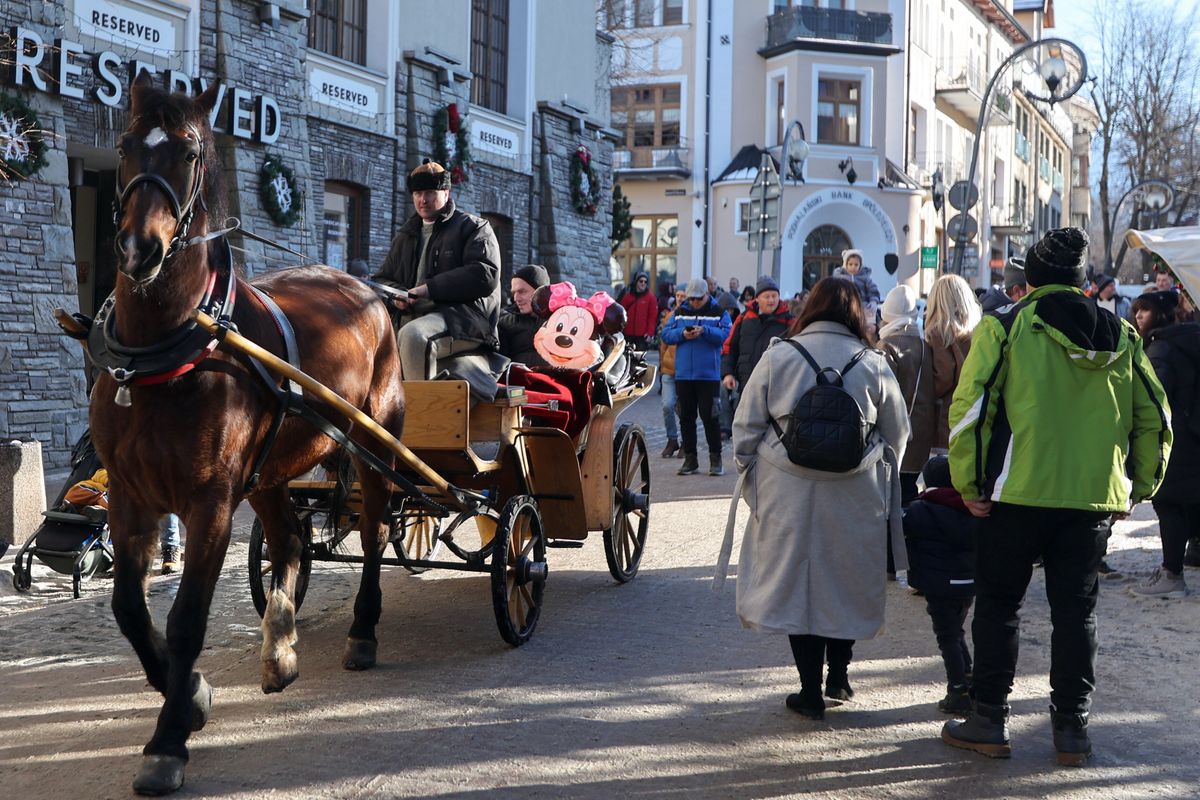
(571, 389)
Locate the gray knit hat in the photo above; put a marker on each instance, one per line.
(1014, 272)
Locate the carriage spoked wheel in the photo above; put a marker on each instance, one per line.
(518, 569)
(625, 539)
(262, 579)
(416, 539)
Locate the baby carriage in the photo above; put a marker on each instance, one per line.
(74, 538)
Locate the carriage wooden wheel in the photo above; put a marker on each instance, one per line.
(261, 577)
(416, 538)
(625, 539)
(518, 569)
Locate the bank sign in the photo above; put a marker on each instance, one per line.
(63, 68)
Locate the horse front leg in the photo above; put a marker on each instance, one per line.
(361, 645)
(279, 663)
(188, 695)
(134, 537)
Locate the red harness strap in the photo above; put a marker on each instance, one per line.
(188, 366)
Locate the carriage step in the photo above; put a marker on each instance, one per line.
(563, 543)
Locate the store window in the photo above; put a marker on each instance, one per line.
(339, 28)
(838, 110)
(823, 253)
(648, 115)
(652, 247)
(742, 217)
(344, 224)
(489, 54)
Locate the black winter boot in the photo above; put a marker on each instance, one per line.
(1071, 738)
(714, 464)
(806, 704)
(671, 449)
(985, 730)
(957, 701)
(1191, 556)
(690, 465)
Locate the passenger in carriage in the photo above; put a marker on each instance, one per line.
(518, 323)
(449, 263)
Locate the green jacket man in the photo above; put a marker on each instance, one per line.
(1058, 422)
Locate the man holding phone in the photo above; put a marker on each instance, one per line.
(698, 329)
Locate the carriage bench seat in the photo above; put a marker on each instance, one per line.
(556, 398)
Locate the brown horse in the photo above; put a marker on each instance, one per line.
(187, 444)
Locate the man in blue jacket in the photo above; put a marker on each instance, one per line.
(698, 328)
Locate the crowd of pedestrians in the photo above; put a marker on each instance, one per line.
(1016, 426)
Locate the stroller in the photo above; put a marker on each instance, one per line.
(71, 541)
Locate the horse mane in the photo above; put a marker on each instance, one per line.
(154, 107)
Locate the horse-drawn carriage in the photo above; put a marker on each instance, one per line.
(543, 472)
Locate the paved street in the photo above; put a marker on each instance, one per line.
(651, 689)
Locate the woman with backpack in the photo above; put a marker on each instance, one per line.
(812, 563)
(1174, 350)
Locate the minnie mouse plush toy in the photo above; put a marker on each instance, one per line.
(569, 338)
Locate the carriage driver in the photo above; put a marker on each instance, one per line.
(449, 262)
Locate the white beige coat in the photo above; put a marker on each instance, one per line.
(813, 557)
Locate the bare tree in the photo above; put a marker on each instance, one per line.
(1110, 94)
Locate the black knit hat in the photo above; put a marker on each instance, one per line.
(937, 472)
(533, 274)
(429, 176)
(1060, 257)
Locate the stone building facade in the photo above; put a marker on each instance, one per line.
(349, 124)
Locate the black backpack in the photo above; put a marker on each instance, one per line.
(826, 430)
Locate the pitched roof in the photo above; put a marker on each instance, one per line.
(744, 166)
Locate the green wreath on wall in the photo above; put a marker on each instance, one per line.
(452, 143)
(280, 196)
(622, 218)
(585, 185)
(22, 145)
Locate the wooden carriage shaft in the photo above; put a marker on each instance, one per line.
(278, 365)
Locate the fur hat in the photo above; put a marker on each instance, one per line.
(1014, 273)
(900, 302)
(1060, 257)
(765, 284)
(428, 177)
(533, 274)
(852, 252)
(697, 287)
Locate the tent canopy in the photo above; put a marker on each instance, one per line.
(1178, 247)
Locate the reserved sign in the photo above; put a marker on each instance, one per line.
(115, 22)
(343, 92)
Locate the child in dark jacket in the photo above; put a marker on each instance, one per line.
(940, 534)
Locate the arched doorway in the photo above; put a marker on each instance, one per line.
(823, 253)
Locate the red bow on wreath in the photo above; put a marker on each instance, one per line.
(584, 154)
(453, 120)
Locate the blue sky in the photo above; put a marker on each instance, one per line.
(1073, 19)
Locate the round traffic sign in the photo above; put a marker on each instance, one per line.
(962, 227)
(963, 195)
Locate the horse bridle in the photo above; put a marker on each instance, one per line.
(183, 212)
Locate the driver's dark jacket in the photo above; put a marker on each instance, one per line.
(463, 272)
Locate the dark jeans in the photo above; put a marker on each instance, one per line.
(698, 397)
(1177, 523)
(810, 652)
(948, 615)
(1071, 544)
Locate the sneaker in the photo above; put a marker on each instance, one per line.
(1191, 556)
(172, 558)
(957, 701)
(671, 449)
(690, 465)
(1071, 740)
(1162, 583)
(714, 465)
(985, 730)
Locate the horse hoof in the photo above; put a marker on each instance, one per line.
(360, 654)
(159, 775)
(202, 697)
(277, 674)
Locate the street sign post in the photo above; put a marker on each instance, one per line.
(764, 210)
(970, 260)
(962, 226)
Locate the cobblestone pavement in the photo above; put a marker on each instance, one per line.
(644, 690)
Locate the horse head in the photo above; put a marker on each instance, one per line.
(163, 177)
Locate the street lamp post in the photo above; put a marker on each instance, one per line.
(793, 152)
(938, 188)
(1053, 71)
(1154, 194)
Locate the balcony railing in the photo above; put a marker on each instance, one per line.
(1013, 220)
(666, 161)
(832, 24)
(1022, 147)
(1044, 168)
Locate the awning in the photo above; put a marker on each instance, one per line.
(1178, 248)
